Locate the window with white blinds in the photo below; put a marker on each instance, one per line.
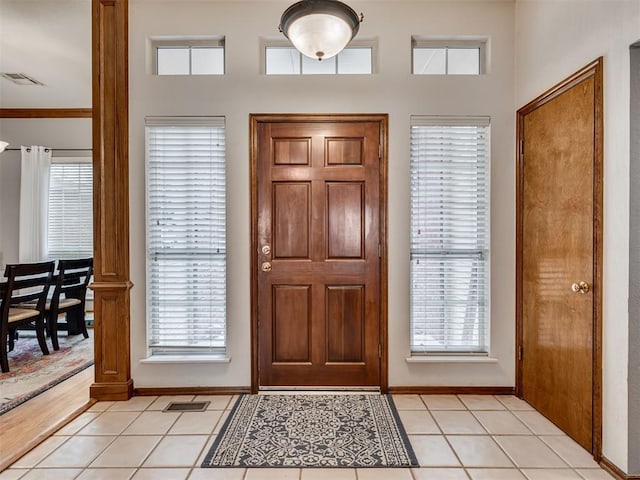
(186, 234)
(449, 234)
(70, 216)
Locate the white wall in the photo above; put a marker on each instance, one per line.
(243, 90)
(554, 39)
(74, 133)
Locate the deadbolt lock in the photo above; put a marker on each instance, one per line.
(266, 249)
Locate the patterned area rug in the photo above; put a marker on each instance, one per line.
(31, 373)
(312, 431)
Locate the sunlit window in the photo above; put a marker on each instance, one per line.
(454, 57)
(184, 57)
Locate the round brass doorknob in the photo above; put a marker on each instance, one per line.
(582, 287)
(266, 267)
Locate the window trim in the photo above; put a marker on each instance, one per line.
(481, 43)
(190, 43)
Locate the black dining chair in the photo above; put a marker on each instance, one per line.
(26, 283)
(69, 298)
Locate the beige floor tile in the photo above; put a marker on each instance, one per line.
(216, 474)
(205, 450)
(78, 451)
(458, 422)
(177, 451)
(408, 402)
(443, 402)
(36, 455)
(529, 452)
(478, 451)
(216, 402)
(134, 404)
(126, 451)
(13, 473)
(433, 451)
(481, 402)
(162, 474)
(107, 474)
(538, 424)
(439, 474)
(73, 427)
(501, 423)
(418, 422)
(195, 423)
(495, 474)
(220, 423)
(570, 451)
(162, 402)
(384, 474)
(109, 423)
(551, 474)
(100, 406)
(152, 423)
(514, 403)
(594, 474)
(52, 474)
(328, 473)
(272, 474)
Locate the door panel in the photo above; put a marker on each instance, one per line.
(291, 212)
(345, 214)
(558, 214)
(318, 286)
(291, 323)
(345, 323)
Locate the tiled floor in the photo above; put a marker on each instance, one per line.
(463, 437)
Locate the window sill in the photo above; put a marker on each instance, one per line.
(171, 359)
(450, 359)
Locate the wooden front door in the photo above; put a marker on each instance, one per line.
(559, 254)
(317, 247)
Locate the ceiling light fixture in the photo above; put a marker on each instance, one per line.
(3, 145)
(320, 28)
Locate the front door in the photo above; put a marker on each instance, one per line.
(317, 241)
(560, 189)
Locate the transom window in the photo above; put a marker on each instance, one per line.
(448, 57)
(188, 57)
(286, 60)
(186, 235)
(449, 234)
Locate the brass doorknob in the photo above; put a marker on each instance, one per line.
(266, 249)
(266, 267)
(582, 287)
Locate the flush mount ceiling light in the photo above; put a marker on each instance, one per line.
(320, 28)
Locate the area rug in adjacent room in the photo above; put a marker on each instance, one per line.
(31, 373)
(312, 430)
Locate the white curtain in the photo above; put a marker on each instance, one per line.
(34, 199)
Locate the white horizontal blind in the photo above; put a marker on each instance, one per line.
(186, 234)
(449, 234)
(70, 218)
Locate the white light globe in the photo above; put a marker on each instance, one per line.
(319, 35)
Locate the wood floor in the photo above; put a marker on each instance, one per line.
(27, 425)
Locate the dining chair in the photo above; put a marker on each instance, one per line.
(69, 298)
(26, 282)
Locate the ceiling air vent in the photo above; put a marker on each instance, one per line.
(21, 79)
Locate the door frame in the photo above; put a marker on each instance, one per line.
(594, 69)
(383, 120)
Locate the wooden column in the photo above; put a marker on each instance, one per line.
(111, 201)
